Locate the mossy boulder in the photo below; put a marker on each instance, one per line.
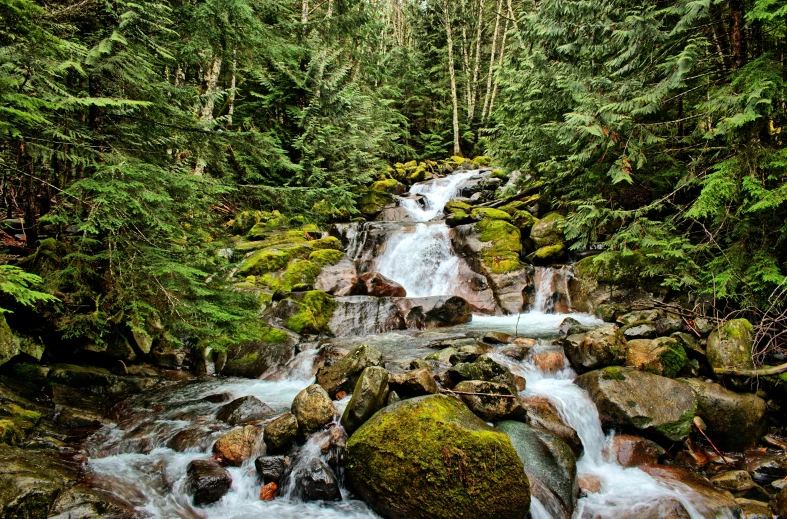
(343, 374)
(639, 401)
(245, 220)
(663, 356)
(730, 345)
(300, 272)
(313, 409)
(455, 205)
(9, 343)
(502, 253)
(389, 185)
(550, 253)
(430, 457)
(548, 230)
(269, 260)
(369, 396)
(264, 348)
(267, 223)
(613, 268)
(10, 432)
(598, 348)
(373, 202)
(483, 368)
(520, 217)
(487, 213)
(325, 257)
(313, 313)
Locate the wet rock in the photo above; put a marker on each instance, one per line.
(442, 356)
(217, 398)
(664, 356)
(419, 364)
(708, 500)
(498, 338)
(271, 468)
(413, 383)
(377, 285)
(317, 482)
(343, 374)
(548, 230)
(755, 509)
(734, 481)
(602, 347)
(665, 508)
(30, 481)
(548, 360)
(765, 467)
(463, 356)
(730, 345)
(338, 279)
(313, 408)
(238, 445)
(269, 491)
(168, 352)
(367, 315)
(90, 379)
(280, 434)
(191, 439)
(491, 408)
(519, 349)
(484, 368)
(589, 484)
(641, 401)
(550, 466)
(393, 397)
(541, 413)
(779, 504)
(419, 458)
(609, 312)
(633, 451)
(271, 349)
(9, 343)
(369, 396)
(207, 481)
(735, 421)
(567, 324)
(81, 502)
(454, 311)
(243, 410)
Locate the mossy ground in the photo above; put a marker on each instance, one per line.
(433, 458)
(503, 253)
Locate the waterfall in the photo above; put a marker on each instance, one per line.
(421, 258)
(544, 301)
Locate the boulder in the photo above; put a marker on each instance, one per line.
(280, 434)
(243, 410)
(765, 467)
(191, 439)
(602, 347)
(413, 383)
(317, 482)
(313, 409)
(490, 408)
(207, 481)
(548, 230)
(734, 481)
(270, 349)
(430, 457)
(735, 421)
(454, 311)
(369, 396)
(730, 345)
(498, 338)
(549, 359)
(271, 468)
(541, 413)
(550, 465)
(664, 356)
(639, 330)
(9, 343)
(641, 401)
(377, 285)
(707, 500)
(483, 368)
(338, 279)
(779, 504)
(633, 451)
(343, 374)
(238, 445)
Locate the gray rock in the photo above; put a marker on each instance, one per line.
(243, 410)
(313, 408)
(343, 374)
(599, 348)
(490, 408)
(730, 345)
(413, 383)
(280, 434)
(369, 396)
(483, 368)
(271, 468)
(317, 482)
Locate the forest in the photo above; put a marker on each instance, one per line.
(406, 259)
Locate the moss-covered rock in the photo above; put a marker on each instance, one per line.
(730, 345)
(369, 396)
(664, 356)
(10, 432)
(454, 206)
(548, 230)
(430, 457)
(245, 220)
(613, 268)
(373, 202)
(262, 349)
(389, 185)
(550, 253)
(598, 348)
(487, 213)
(300, 272)
(314, 313)
(269, 260)
(520, 217)
(9, 343)
(343, 374)
(635, 400)
(502, 255)
(325, 257)
(267, 223)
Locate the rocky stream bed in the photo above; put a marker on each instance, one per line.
(443, 359)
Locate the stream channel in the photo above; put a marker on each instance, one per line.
(131, 457)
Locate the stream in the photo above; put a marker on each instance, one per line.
(134, 459)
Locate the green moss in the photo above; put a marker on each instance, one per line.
(613, 373)
(521, 218)
(266, 260)
(245, 220)
(613, 268)
(679, 429)
(10, 434)
(329, 242)
(328, 211)
(267, 223)
(503, 254)
(673, 359)
(433, 454)
(323, 257)
(456, 205)
(389, 185)
(487, 213)
(372, 202)
(551, 251)
(499, 173)
(482, 161)
(300, 272)
(314, 313)
(738, 328)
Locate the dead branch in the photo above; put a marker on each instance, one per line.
(475, 394)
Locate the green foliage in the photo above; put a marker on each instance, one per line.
(17, 283)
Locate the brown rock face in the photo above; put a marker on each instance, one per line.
(313, 409)
(375, 284)
(633, 451)
(413, 383)
(269, 491)
(237, 446)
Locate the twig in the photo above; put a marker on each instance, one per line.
(711, 443)
(770, 370)
(476, 394)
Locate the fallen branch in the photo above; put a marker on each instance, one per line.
(476, 394)
(694, 423)
(760, 372)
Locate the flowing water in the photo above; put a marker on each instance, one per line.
(133, 458)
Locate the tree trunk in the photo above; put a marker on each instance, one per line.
(211, 80)
(330, 9)
(488, 94)
(737, 36)
(454, 97)
(304, 11)
(231, 109)
(476, 63)
(499, 66)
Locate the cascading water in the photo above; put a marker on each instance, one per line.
(421, 258)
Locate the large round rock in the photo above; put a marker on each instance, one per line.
(430, 457)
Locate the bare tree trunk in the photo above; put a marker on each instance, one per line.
(231, 109)
(499, 66)
(330, 9)
(476, 63)
(304, 11)
(488, 94)
(737, 36)
(211, 80)
(454, 97)
(512, 17)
